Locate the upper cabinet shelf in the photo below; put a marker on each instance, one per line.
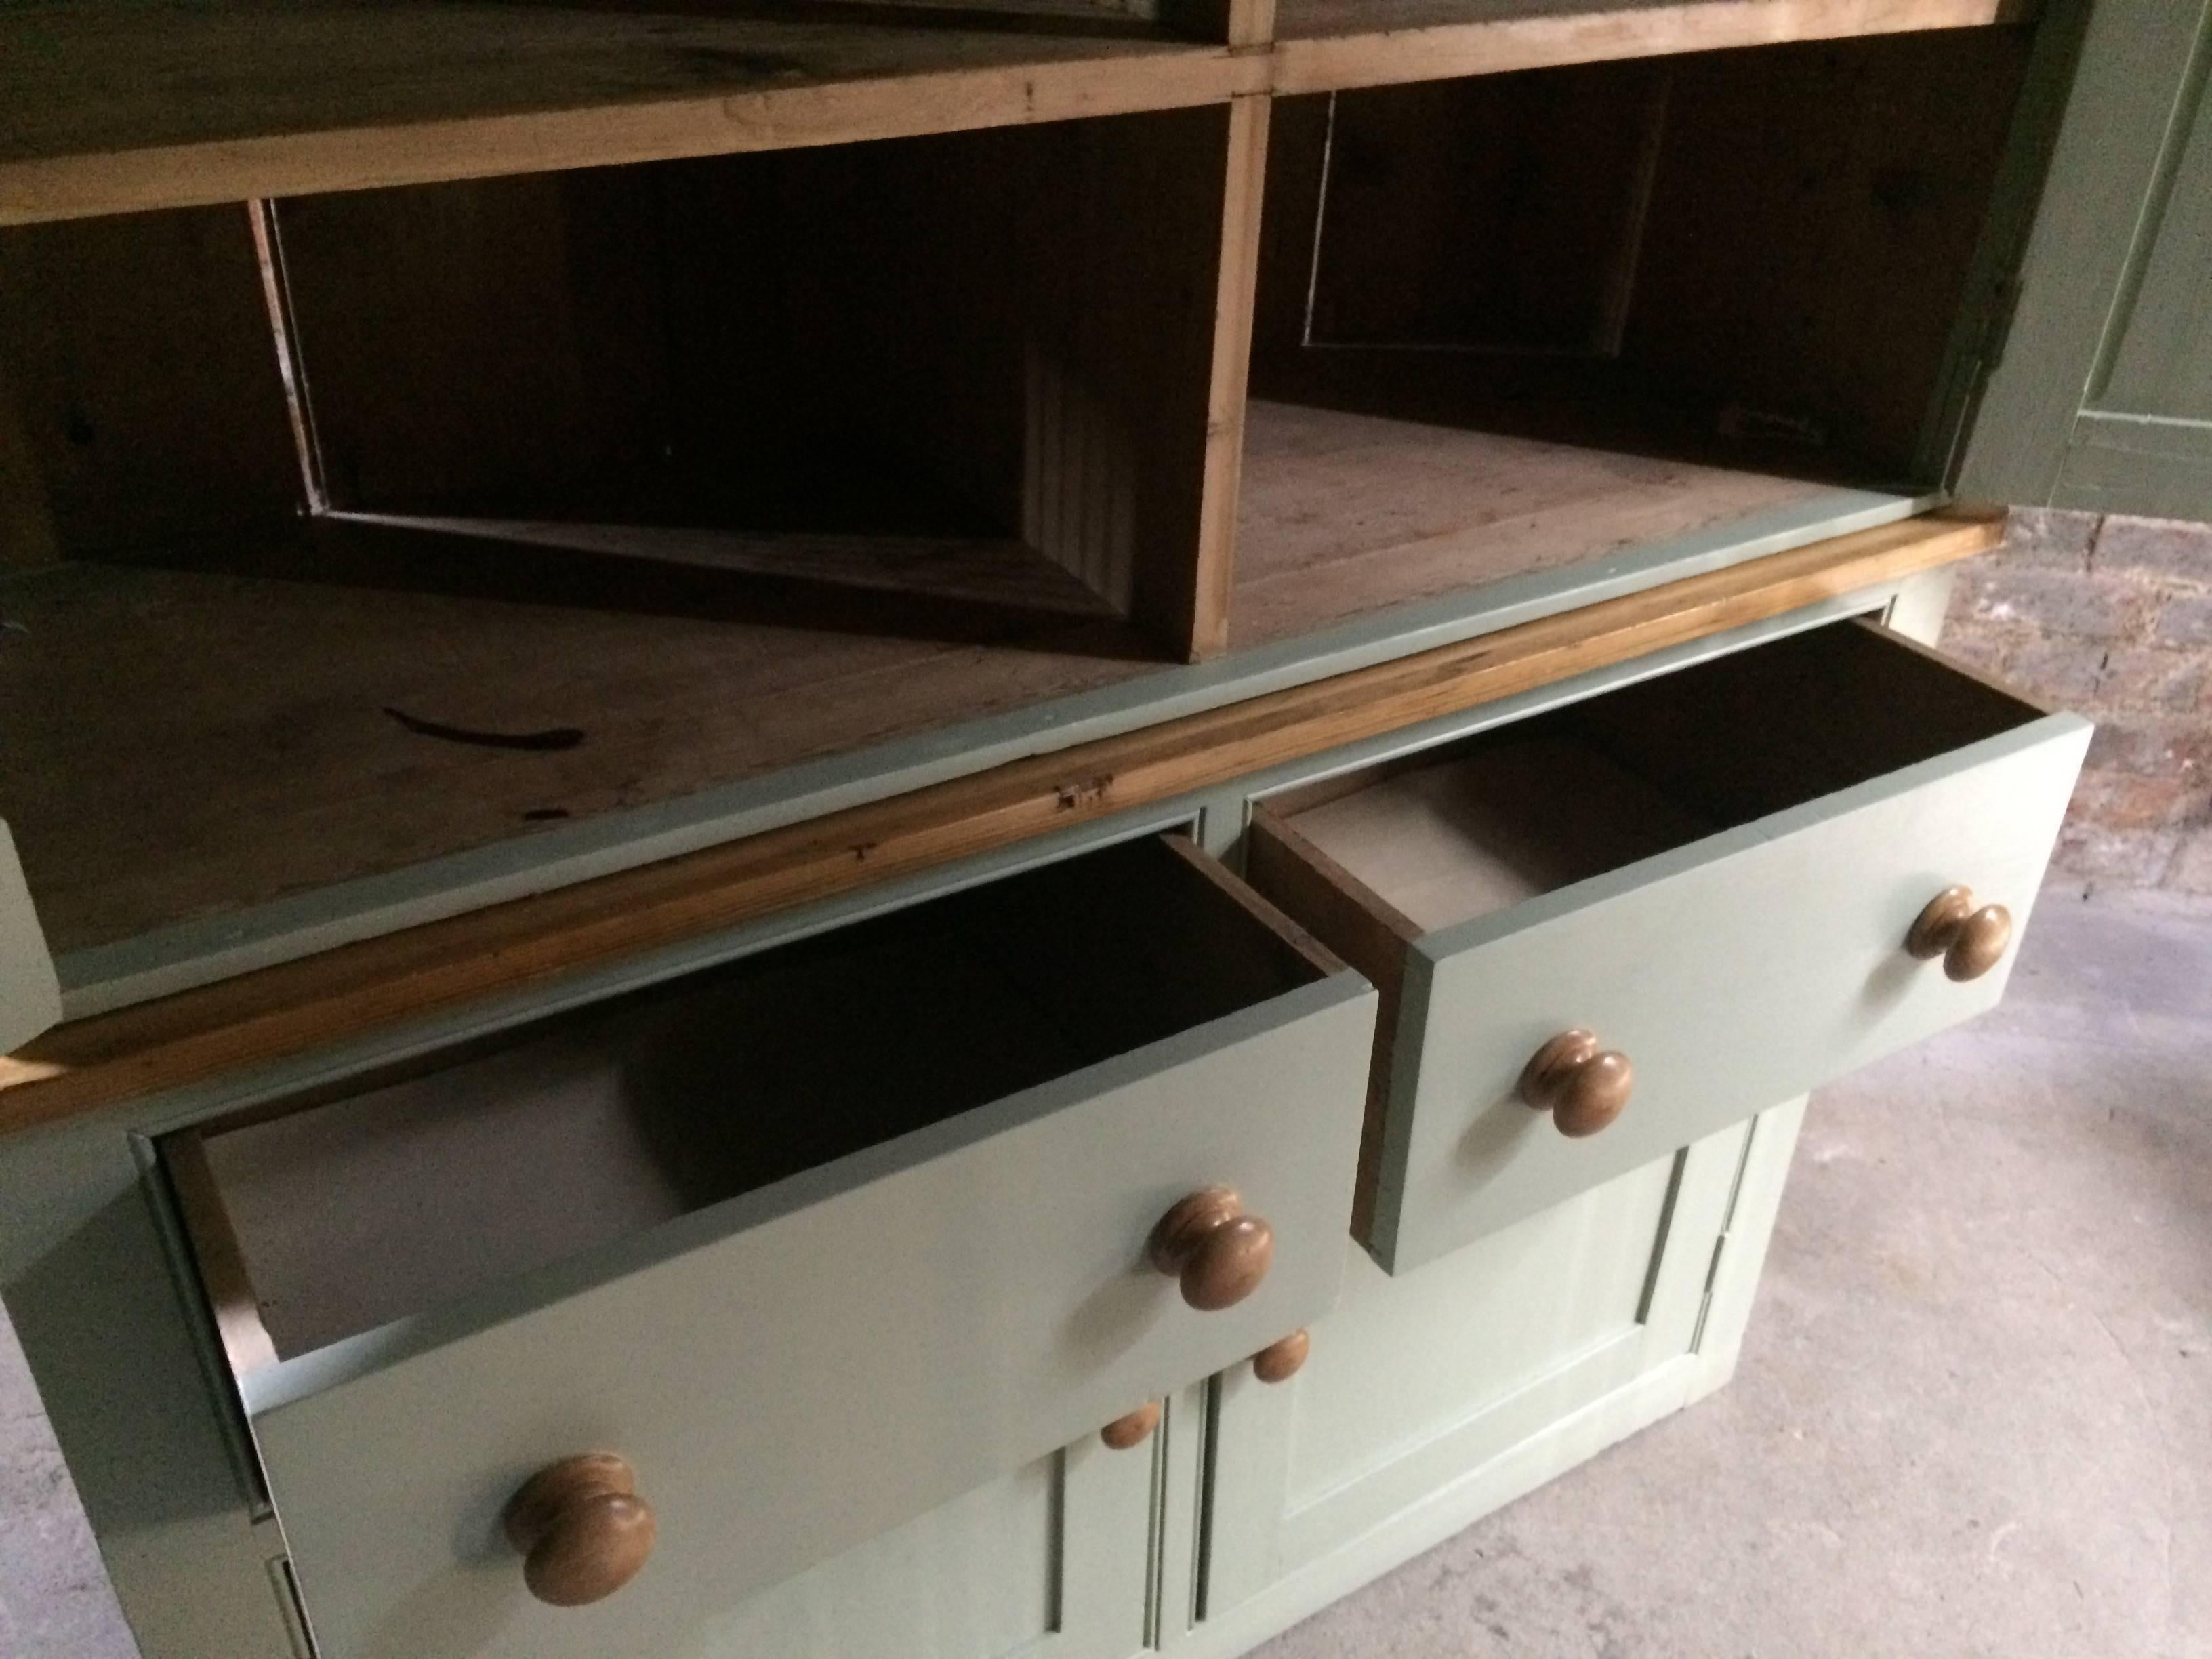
(1326, 45)
(111, 108)
(107, 107)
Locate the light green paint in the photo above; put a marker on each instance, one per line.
(30, 995)
(1746, 967)
(2103, 391)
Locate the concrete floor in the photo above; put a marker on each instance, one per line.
(1973, 1416)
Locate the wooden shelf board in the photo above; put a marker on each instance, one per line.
(295, 1006)
(1344, 514)
(1326, 45)
(186, 746)
(111, 107)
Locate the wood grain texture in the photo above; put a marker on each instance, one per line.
(1323, 44)
(294, 1008)
(1132, 1430)
(113, 108)
(1208, 585)
(1345, 513)
(239, 790)
(582, 1527)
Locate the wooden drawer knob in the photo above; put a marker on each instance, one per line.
(1133, 1430)
(1581, 1086)
(1971, 940)
(1279, 1362)
(583, 1530)
(1219, 1253)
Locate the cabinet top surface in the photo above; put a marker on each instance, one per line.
(299, 1006)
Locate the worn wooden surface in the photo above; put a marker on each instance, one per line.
(1328, 43)
(289, 1009)
(113, 107)
(1345, 513)
(1545, 253)
(150, 782)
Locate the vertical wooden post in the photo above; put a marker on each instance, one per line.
(1232, 22)
(1232, 359)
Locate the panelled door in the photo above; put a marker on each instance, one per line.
(2101, 398)
(1433, 1397)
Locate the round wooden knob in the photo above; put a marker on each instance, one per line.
(1133, 1430)
(1219, 1253)
(1279, 1362)
(1971, 940)
(583, 1530)
(1581, 1086)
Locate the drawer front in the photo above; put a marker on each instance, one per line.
(1739, 970)
(812, 1364)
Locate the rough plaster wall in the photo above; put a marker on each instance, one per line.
(2110, 617)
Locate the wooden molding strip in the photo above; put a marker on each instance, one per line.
(296, 1007)
(852, 99)
(121, 108)
(1500, 44)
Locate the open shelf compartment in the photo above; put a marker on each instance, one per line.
(1516, 323)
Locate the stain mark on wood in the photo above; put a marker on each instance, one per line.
(554, 737)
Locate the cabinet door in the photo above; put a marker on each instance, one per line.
(1432, 1398)
(2102, 394)
(1050, 1562)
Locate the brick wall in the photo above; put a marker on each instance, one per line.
(2111, 618)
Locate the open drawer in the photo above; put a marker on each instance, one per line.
(812, 1243)
(1691, 898)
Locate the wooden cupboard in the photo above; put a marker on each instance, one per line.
(700, 705)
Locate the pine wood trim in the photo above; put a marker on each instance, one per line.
(832, 84)
(1311, 55)
(296, 1007)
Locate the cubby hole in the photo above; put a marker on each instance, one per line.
(1514, 323)
(345, 533)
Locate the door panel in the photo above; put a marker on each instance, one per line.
(2102, 398)
(1047, 1563)
(1420, 1382)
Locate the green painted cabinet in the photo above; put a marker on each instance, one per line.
(1434, 1397)
(2101, 395)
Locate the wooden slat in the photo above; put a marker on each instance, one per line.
(113, 107)
(299, 1006)
(1323, 45)
(1226, 397)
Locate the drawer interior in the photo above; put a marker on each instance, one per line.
(1480, 825)
(322, 1217)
